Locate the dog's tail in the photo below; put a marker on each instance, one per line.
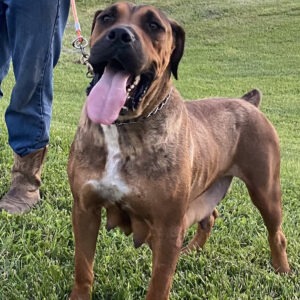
(254, 97)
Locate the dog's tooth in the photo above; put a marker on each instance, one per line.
(137, 79)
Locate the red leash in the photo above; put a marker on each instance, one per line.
(77, 24)
(80, 42)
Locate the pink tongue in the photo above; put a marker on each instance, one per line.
(107, 97)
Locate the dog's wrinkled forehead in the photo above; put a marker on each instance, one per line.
(145, 17)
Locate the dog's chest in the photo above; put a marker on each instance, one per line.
(111, 185)
(134, 163)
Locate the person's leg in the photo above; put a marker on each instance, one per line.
(35, 33)
(4, 46)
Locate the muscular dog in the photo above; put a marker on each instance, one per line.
(158, 164)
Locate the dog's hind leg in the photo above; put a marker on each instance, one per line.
(204, 212)
(267, 199)
(262, 178)
(203, 232)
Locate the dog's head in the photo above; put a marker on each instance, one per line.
(134, 51)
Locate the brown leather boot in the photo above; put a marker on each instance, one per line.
(26, 179)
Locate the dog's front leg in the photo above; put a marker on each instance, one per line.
(86, 224)
(166, 243)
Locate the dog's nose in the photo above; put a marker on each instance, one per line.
(122, 35)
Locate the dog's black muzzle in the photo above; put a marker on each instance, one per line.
(121, 48)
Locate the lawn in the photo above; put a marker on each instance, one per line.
(231, 47)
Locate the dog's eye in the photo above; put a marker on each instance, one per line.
(154, 26)
(106, 19)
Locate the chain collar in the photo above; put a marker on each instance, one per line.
(140, 119)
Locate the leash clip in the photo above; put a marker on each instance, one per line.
(80, 43)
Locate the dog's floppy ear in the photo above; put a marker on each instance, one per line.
(94, 20)
(179, 39)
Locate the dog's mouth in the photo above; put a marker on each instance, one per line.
(115, 90)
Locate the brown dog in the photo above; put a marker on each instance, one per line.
(157, 164)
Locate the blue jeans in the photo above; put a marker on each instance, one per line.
(31, 34)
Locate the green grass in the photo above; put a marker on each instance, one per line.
(231, 47)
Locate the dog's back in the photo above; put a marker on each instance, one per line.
(230, 131)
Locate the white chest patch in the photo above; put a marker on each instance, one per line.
(111, 187)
